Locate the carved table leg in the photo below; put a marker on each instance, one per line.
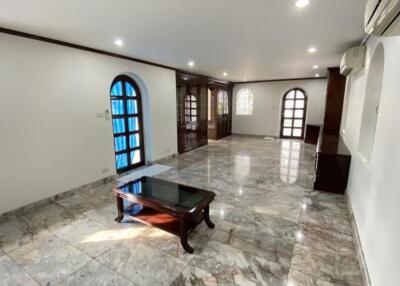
(120, 206)
(183, 236)
(207, 217)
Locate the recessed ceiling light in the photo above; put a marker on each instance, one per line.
(312, 50)
(302, 3)
(185, 78)
(225, 74)
(315, 66)
(245, 79)
(317, 75)
(191, 63)
(119, 42)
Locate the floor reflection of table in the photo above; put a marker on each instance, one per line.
(172, 207)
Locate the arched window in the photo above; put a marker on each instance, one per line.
(244, 102)
(126, 108)
(294, 106)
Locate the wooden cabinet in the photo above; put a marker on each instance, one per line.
(312, 133)
(332, 162)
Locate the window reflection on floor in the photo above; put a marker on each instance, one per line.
(242, 170)
(242, 166)
(290, 156)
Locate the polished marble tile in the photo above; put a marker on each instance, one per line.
(238, 267)
(270, 224)
(264, 209)
(325, 265)
(329, 241)
(272, 248)
(297, 278)
(94, 238)
(106, 215)
(51, 216)
(328, 222)
(13, 275)
(94, 273)
(193, 276)
(272, 203)
(81, 203)
(326, 203)
(17, 231)
(142, 264)
(48, 259)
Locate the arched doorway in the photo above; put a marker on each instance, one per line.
(293, 117)
(127, 120)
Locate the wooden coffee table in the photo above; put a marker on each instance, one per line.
(172, 207)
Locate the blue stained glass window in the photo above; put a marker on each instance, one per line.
(120, 143)
(117, 107)
(129, 89)
(116, 89)
(132, 106)
(119, 125)
(121, 160)
(134, 140)
(133, 123)
(135, 157)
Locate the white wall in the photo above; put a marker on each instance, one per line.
(267, 105)
(374, 188)
(52, 139)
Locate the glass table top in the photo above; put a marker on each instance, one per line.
(167, 193)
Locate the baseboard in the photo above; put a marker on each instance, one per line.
(59, 196)
(255, 136)
(159, 161)
(357, 243)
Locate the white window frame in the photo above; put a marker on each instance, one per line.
(244, 102)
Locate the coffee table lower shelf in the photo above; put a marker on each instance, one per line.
(180, 226)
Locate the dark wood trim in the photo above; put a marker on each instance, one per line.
(282, 79)
(101, 52)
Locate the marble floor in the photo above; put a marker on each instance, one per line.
(271, 228)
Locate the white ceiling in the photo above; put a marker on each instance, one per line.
(252, 39)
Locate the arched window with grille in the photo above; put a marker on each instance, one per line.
(127, 121)
(294, 107)
(244, 102)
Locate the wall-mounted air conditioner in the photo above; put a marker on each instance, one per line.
(382, 17)
(352, 60)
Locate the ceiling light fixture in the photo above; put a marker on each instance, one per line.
(312, 50)
(317, 75)
(245, 79)
(191, 63)
(302, 3)
(315, 67)
(119, 42)
(225, 74)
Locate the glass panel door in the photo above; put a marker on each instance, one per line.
(293, 114)
(126, 108)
